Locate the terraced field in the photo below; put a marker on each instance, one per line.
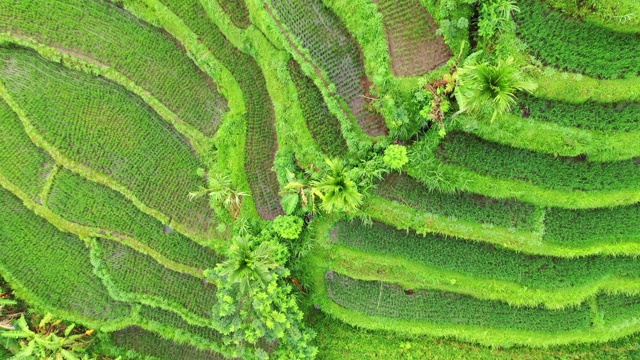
(508, 238)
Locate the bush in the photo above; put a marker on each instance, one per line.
(287, 226)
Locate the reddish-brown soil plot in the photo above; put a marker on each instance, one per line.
(415, 48)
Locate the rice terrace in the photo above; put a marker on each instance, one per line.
(319, 179)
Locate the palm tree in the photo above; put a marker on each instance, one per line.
(483, 85)
(337, 189)
(249, 267)
(222, 192)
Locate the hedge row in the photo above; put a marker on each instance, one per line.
(51, 269)
(21, 162)
(485, 261)
(91, 204)
(560, 173)
(261, 138)
(134, 277)
(110, 36)
(99, 124)
(573, 45)
(462, 205)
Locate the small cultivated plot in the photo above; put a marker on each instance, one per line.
(411, 31)
(590, 115)
(324, 35)
(87, 203)
(465, 206)
(21, 162)
(574, 45)
(149, 343)
(96, 123)
(486, 262)
(51, 269)
(382, 300)
(165, 322)
(261, 137)
(323, 125)
(558, 173)
(592, 226)
(237, 11)
(379, 305)
(102, 33)
(134, 277)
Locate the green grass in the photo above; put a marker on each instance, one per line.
(134, 277)
(21, 162)
(99, 124)
(377, 299)
(574, 45)
(50, 269)
(92, 204)
(174, 326)
(466, 206)
(107, 35)
(323, 125)
(261, 138)
(592, 226)
(559, 173)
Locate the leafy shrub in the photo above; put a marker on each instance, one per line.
(289, 227)
(395, 156)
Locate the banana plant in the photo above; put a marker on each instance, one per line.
(49, 341)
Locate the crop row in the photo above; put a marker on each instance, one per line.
(261, 138)
(332, 47)
(237, 11)
(415, 48)
(380, 305)
(99, 124)
(323, 125)
(592, 226)
(92, 204)
(134, 277)
(574, 45)
(477, 208)
(21, 162)
(108, 35)
(148, 343)
(622, 116)
(375, 298)
(51, 269)
(485, 261)
(560, 173)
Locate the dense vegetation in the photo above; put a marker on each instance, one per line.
(271, 179)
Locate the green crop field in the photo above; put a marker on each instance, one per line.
(329, 179)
